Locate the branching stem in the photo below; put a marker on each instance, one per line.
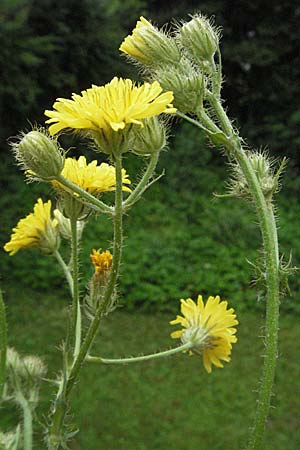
(85, 196)
(143, 184)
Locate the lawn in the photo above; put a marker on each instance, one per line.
(168, 404)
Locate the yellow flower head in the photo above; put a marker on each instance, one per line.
(109, 108)
(102, 261)
(210, 327)
(38, 229)
(91, 177)
(150, 46)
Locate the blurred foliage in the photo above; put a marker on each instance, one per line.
(55, 47)
(181, 240)
(52, 48)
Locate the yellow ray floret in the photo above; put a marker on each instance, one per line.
(33, 229)
(210, 326)
(91, 177)
(110, 107)
(102, 261)
(133, 43)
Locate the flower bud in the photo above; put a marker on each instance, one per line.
(186, 83)
(64, 225)
(150, 46)
(199, 38)
(50, 241)
(13, 359)
(102, 262)
(39, 155)
(112, 142)
(10, 440)
(267, 177)
(33, 366)
(151, 138)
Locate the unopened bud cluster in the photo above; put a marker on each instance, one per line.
(23, 374)
(267, 177)
(10, 440)
(39, 155)
(29, 366)
(182, 63)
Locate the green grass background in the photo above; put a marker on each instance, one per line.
(170, 404)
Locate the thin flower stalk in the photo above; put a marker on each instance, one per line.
(134, 359)
(143, 184)
(3, 344)
(27, 420)
(76, 311)
(84, 196)
(65, 270)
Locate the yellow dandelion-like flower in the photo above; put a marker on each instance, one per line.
(110, 107)
(210, 327)
(37, 229)
(91, 177)
(102, 261)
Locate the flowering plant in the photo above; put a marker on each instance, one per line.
(184, 76)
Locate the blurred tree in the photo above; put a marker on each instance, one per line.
(261, 58)
(55, 47)
(52, 48)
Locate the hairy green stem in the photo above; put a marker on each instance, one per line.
(133, 359)
(143, 184)
(65, 269)
(27, 421)
(3, 344)
(268, 229)
(60, 407)
(76, 312)
(84, 196)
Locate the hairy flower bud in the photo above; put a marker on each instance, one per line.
(151, 138)
(112, 142)
(267, 176)
(33, 366)
(64, 225)
(187, 85)
(39, 154)
(150, 46)
(102, 262)
(13, 359)
(11, 439)
(199, 38)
